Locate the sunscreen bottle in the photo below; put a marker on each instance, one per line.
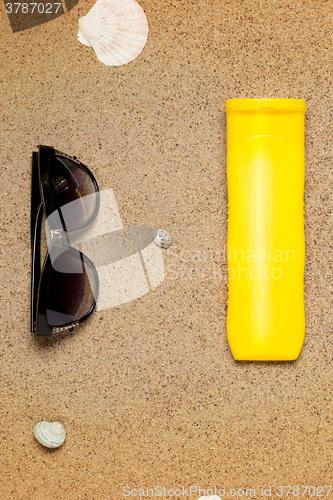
(265, 246)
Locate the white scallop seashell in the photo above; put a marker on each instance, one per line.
(117, 30)
(50, 434)
(211, 497)
(162, 238)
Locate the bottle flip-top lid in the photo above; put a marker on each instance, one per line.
(265, 104)
(250, 118)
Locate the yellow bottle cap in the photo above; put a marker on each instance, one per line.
(248, 104)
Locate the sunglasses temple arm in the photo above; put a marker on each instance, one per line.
(36, 221)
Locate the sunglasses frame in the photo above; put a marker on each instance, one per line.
(40, 206)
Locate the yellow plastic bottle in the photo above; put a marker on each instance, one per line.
(265, 247)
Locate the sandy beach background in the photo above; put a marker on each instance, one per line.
(148, 391)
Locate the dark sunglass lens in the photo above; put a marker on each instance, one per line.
(72, 289)
(69, 182)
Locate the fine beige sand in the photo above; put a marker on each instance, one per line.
(148, 391)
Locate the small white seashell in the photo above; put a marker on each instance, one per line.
(117, 30)
(162, 238)
(211, 497)
(50, 434)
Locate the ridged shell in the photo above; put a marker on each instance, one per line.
(162, 238)
(117, 30)
(211, 497)
(50, 434)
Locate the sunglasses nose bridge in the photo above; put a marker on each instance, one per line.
(57, 243)
(56, 237)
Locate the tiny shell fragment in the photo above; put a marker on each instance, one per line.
(162, 238)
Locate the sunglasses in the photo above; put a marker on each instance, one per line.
(64, 291)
